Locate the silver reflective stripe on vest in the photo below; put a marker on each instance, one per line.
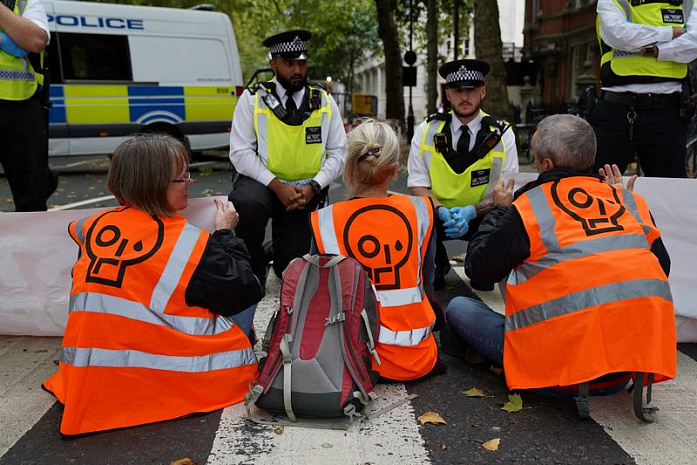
(262, 132)
(630, 202)
(326, 120)
(325, 218)
(86, 357)
(574, 251)
(174, 269)
(422, 221)
(399, 297)
(404, 338)
(79, 229)
(110, 305)
(432, 129)
(592, 297)
(496, 171)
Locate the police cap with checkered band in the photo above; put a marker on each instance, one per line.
(464, 73)
(290, 44)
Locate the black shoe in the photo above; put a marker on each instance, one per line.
(481, 285)
(439, 278)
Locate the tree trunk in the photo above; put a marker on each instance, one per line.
(487, 41)
(387, 30)
(432, 55)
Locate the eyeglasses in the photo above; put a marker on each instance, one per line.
(185, 179)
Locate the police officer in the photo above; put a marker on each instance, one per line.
(645, 49)
(288, 144)
(23, 132)
(456, 158)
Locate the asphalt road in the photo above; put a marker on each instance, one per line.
(547, 431)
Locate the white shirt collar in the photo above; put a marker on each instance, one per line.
(473, 125)
(281, 92)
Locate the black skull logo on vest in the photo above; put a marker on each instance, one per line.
(597, 215)
(112, 246)
(383, 243)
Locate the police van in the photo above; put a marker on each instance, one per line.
(119, 70)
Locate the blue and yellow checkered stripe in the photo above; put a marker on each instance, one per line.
(116, 104)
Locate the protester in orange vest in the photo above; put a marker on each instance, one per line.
(587, 292)
(391, 236)
(149, 335)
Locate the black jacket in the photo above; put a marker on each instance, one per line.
(501, 243)
(223, 281)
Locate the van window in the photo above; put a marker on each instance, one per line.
(95, 57)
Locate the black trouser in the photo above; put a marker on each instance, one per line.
(290, 230)
(658, 138)
(24, 153)
(442, 259)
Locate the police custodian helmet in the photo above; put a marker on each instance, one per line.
(464, 73)
(289, 44)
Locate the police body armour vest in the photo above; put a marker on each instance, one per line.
(618, 67)
(18, 80)
(466, 188)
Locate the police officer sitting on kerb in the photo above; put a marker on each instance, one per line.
(288, 143)
(458, 160)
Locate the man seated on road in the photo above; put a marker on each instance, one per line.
(456, 158)
(587, 293)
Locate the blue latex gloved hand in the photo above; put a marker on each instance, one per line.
(444, 214)
(9, 46)
(459, 224)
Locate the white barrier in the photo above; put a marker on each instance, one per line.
(36, 255)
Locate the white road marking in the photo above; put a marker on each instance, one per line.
(392, 438)
(81, 203)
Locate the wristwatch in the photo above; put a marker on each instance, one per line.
(316, 188)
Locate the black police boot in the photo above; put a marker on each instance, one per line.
(481, 285)
(439, 278)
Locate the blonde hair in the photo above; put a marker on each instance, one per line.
(373, 156)
(141, 172)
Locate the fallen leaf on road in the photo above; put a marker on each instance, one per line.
(492, 444)
(278, 430)
(184, 461)
(443, 446)
(514, 404)
(433, 418)
(475, 392)
(458, 258)
(496, 370)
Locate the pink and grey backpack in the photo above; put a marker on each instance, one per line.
(320, 342)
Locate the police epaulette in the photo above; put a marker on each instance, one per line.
(499, 123)
(439, 117)
(318, 84)
(268, 86)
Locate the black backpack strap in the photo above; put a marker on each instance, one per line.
(638, 387)
(583, 401)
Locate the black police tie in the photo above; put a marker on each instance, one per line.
(290, 105)
(463, 144)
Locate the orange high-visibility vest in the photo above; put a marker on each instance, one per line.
(389, 237)
(591, 299)
(134, 352)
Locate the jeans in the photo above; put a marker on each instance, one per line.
(483, 329)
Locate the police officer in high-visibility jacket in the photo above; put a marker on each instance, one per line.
(23, 128)
(150, 335)
(587, 293)
(456, 158)
(391, 236)
(645, 49)
(288, 144)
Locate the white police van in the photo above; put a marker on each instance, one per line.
(117, 70)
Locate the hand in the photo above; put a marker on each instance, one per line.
(613, 177)
(226, 217)
(459, 224)
(503, 194)
(306, 194)
(286, 194)
(444, 214)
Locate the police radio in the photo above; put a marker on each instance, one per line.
(274, 105)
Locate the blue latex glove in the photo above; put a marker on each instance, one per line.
(10, 47)
(444, 214)
(459, 225)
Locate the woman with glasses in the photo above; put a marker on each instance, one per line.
(391, 236)
(148, 335)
